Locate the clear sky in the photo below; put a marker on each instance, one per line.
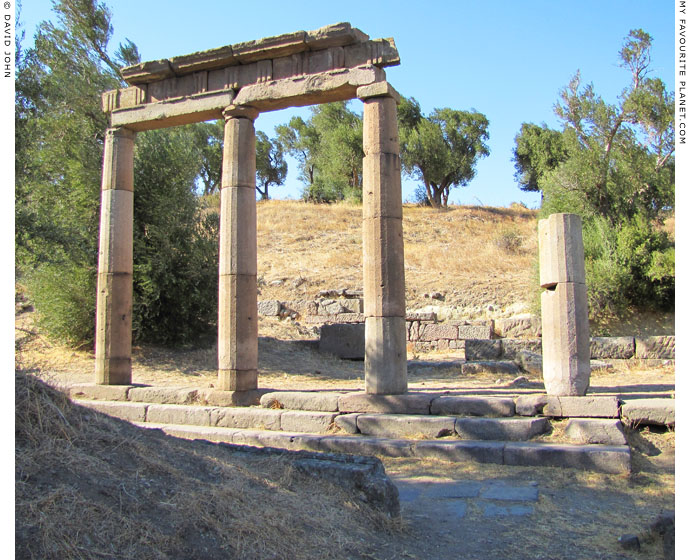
(506, 58)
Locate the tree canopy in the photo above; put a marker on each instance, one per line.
(328, 148)
(612, 163)
(442, 149)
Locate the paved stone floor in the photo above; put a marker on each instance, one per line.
(422, 496)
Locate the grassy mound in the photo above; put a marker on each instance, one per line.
(90, 486)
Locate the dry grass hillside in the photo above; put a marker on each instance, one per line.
(473, 256)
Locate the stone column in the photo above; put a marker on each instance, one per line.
(385, 353)
(564, 310)
(237, 312)
(115, 265)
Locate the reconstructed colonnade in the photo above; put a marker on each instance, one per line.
(237, 83)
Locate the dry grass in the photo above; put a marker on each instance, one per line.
(475, 256)
(89, 486)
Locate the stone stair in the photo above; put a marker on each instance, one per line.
(507, 430)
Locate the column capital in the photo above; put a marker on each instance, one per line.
(240, 112)
(378, 89)
(121, 132)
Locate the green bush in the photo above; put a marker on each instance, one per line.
(64, 295)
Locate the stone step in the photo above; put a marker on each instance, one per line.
(411, 426)
(599, 458)
(655, 412)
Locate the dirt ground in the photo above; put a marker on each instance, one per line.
(578, 515)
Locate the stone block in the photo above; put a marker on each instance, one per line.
(117, 219)
(655, 347)
(503, 368)
(428, 317)
(132, 412)
(383, 267)
(118, 159)
(561, 251)
(475, 332)
(603, 431)
(179, 414)
(382, 191)
(246, 417)
(380, 128)
(530, 362)
(355, 305)
(99, 392)
(366, 445)
(344, 341)
(473, 406)
(379, 89)
(460, 451)
(237, 231)
(480, 350)
(659, 412)
(513, 346)
(209, 433)
(269, 308)
(163, 395)
(405, 425)
(408, 403)
(582, 407)
(518, 326)
(385, 356)
(598, 458)
(347, 422)
(531, 405)
(501, 429)
(438, 332)
(612, 347)
(237, 325)
(237, 380)
(565, 340)
(307, 421)
(114, 329)
(311, 89)
(239, 153)
(215, 397)
(301, 400)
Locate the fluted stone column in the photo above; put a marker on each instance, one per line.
(385, 354)
(115, 265)
(564, 310)
(237, 306)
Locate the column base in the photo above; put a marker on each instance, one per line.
(385, 356)
(113, 371)
(237, 379)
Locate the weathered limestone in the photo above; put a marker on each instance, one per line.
(294, 69)
(606, 432)
(237, 299)
(115, 264)
(501, 429)
(345, 341)
(658, 412)
(473, 406)
(565, 321)
(385, 352)
(237, 82)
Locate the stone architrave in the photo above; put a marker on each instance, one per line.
(237, 297)
(565, 318)
(385, 352)
(115, 264)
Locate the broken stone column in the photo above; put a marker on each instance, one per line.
(564, 310)
(237, 306)
(385, 352)
(115, 262)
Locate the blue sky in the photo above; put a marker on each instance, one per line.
(506, 59)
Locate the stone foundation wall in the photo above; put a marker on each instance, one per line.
(487, 339)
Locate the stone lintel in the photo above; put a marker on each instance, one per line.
(379, 89)
(173, 112)
(310, 89)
